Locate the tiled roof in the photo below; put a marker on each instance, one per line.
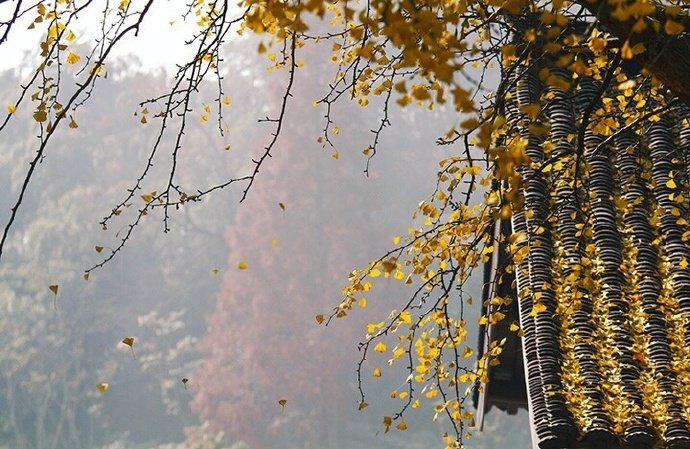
(602, 270)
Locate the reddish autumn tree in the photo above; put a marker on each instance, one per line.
(308, 222)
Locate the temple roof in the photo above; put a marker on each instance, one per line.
(595, 265)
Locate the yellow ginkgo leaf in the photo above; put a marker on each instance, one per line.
(99, 249)
(53, 288)
(671, 184)
(380, 347)
(40, 116)
(362, 406)
(102, 387)
(72, 123)
(72, 58)
(401, 426)
(148, 197)
(319, 318)
(335, 156)
(11, 109)
(376, 372)
(672, 27)
(242, 265)
(129, 341)
(537, 308)
(86, 275)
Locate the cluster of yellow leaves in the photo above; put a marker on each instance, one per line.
(442, 252)
(55, 50)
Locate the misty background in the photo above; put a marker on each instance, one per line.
(241, 339)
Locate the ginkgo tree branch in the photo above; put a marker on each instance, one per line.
(13, 19)
(81, 88)
(587, 115)
(279, 120)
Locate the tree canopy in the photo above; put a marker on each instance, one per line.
(629, 57)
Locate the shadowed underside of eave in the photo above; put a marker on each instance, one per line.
(602, 269)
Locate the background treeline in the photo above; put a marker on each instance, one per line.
(244, 338)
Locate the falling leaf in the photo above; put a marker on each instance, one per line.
(129, 341)
(53, 288)
(226, 100)
(335, 156)
(215, 271)
(274, 243)
(99, 249)
(376, 372)
(282, 206)
(671, 184)
(184, 382)
(387, 421)
(319, 318)
(282, 403)
(242, 265)
(72, 58)
(102, 387)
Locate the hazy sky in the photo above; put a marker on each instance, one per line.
(159, 44)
